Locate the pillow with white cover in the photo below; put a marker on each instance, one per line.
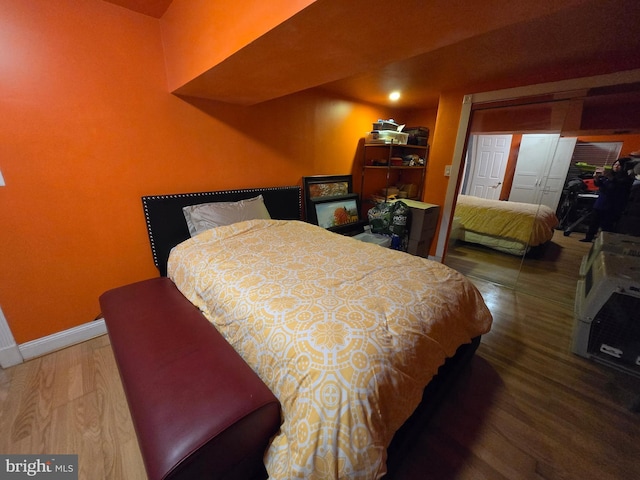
(204, 216)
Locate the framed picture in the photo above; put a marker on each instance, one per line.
(336, 213)
(318, 187)
(327, 186)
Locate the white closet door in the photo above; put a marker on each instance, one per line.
(536, 153)
(556, 175)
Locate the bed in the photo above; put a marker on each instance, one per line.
(346, 334)
(509, 227)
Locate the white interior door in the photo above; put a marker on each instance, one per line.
(536, 154)
(556, 174)
(489, 154)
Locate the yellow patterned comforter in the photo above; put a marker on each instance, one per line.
(346, 334)
(527, 223)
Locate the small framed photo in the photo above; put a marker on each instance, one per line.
(335, 213)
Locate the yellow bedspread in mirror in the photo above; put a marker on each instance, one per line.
(527, 223)
(346, 334)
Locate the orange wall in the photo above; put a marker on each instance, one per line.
(199, 35)
(89, 128)
(442, 142)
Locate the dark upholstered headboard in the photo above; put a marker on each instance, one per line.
(167, 226)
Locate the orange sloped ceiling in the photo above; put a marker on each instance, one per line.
(249, 52)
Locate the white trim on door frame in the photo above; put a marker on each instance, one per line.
(9, 351)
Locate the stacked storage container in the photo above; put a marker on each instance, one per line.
(607, 323)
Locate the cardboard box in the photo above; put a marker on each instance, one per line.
(422, 230)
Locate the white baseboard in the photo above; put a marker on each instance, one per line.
(9, 352)
(10, 356)
(66, 338)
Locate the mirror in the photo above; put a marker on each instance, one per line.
(524, 150)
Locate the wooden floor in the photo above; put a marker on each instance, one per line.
(530, 409)
(71, 401)
(527, 408)
(549, 272)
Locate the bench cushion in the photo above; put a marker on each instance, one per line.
(198, 409)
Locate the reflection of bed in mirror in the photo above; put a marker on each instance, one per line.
(509, 227)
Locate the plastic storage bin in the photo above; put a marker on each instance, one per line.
(387, 136)
(367, 236)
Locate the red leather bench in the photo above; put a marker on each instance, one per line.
(198, 409)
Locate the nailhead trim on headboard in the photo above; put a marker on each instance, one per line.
(167, 227)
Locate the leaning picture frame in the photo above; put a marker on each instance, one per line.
(336, 213)
(339, 214)
(317, 187)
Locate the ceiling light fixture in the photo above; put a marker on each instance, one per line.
(394, 96)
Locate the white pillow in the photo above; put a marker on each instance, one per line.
(217, 214)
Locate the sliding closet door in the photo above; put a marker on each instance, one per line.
(535, 157)
(556, 174)
(530, 178)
